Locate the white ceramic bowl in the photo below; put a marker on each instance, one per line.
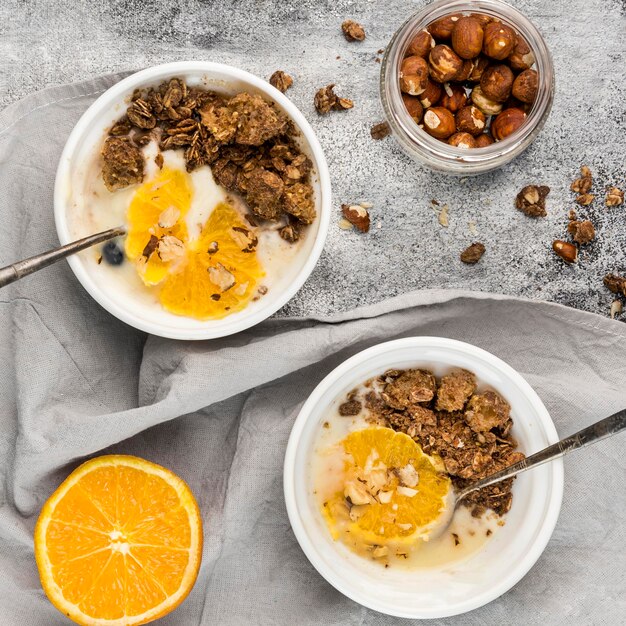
(454, 589)
(87, 137)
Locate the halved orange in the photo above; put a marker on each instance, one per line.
(119, 542)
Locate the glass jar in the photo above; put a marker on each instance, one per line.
(439, 155)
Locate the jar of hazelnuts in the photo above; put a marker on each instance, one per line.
(466, 85)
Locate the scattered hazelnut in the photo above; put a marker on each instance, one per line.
(498, 41)
(566, 250)
(356, 215)
(464, 141)
(615, 283)
(531, 200)
(507, 122)
(525, 86)
(413, 75)
(421, 44)
(442, 28)
(464, 73)
(522, 57)
(487, 106)
(380, 130)
(484, 140)
(444, 63)
(470, 119)
(353, 31)
(413, 106)
(439, 122)
(496, 82)
(453, 97)
(472, 254)
(479, 65)
(281, 80)
(581, 232)
(614, 196)
(430, 96)
(467, 37)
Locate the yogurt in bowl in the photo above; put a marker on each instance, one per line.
(225, 218)
(483, 553)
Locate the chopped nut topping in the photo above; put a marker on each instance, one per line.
(581, 232)
(221, 277)
(531, 200)
(353, 31)
(169, 217)
(472, 254)
(614, 196)
(245, 239)
(151, 246)
(213, 247)
(380, 130)
(357, 493)
(326, 100)
(408, 476)
(158, 159)
(170, 248)
(356, 215)
(380, 552)
(281, 80)
(406, 491)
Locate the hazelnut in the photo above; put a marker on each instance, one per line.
(462, 140)
(444, 63)
(514, 103)
(413, 75)
(421, 44)
(470, 119)
(430, 96)
(487, 106)
(498, 41)
(525, 86)
(453, 97)
(439, 122)
(484, 140)
(507, 122)
(413, 106)
(496, 82)
(467, 37)
(464, 73)
(481, 18)
(522, 57)
(442, 28)
(479, 65)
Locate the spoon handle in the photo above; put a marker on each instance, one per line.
(596, 432)
(15, 271)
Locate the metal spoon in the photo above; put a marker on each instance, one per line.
(11, 273)
(592, 434)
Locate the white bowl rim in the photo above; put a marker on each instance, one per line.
(270, 305)
(518, 570)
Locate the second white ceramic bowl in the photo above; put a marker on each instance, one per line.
(86, 139)
(445, 591)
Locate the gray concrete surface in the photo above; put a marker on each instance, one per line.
(46, 43)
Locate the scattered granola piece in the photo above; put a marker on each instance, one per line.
(123, 163)
(380, 130)
(290, 232)
(581, 232)
(615, 283)
(455, 390)
(350, 408)
(326, 100)
(281, 80)
(585, 199)
(472, 254)
(411, 387)
(531, 200)
(583, 184)
(614, 196)
(356, 215)
(353, 31)
(486, 411)
(158, 159)
(616, 308)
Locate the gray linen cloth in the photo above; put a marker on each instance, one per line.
(77, 382)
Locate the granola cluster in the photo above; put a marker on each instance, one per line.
(469, 430)
(248, 143)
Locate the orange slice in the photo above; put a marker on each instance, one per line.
(393, 491)
(164, 200)
(119, 542)
(219, 251)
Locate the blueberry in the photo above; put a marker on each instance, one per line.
(112, 253)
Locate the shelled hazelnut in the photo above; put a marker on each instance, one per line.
(468, 79)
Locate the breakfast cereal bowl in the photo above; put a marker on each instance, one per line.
(262, 264)
(443, 583)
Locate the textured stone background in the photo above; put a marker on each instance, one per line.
(46, 43)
